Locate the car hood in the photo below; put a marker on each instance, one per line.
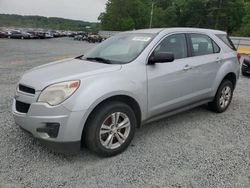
(64, 70)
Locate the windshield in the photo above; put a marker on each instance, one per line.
(120, 49)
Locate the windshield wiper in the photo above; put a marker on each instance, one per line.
(99, 59)
(79, 57)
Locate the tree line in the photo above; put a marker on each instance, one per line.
(12, 20)
(232, 16)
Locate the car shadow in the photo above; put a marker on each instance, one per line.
(148, 130)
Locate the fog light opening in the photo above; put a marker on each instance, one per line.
(51, 129)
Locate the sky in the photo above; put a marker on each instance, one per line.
(86, 10)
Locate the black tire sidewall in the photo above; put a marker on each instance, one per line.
(245, 74)
(94, 124)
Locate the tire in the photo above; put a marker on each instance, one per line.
(107, 144)
(245, 74)
(223, 97)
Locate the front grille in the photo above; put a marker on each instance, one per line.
(26, 89)
(22, 107)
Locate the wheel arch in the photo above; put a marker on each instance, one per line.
(130, 101)
(231, 77)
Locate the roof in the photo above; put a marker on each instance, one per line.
(176, 29)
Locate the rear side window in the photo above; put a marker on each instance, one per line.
(227, 41)
(202, 45)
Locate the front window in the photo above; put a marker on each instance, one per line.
(175, 44)
(120, 49)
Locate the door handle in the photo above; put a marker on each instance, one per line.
(187, 67)
(218, 60)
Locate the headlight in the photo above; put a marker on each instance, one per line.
(57, 93)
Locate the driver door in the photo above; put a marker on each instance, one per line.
(170, 84)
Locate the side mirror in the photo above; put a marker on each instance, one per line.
(161, 57)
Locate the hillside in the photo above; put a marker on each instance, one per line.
(13, 20)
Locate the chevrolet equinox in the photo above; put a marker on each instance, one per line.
(128, 80)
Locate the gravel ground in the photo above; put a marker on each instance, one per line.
(197, 148)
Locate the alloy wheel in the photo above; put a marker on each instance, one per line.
(114, 130)
(225, 97)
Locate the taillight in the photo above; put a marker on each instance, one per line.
(238, 57)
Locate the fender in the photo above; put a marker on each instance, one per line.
(98, 88)
(229, 66)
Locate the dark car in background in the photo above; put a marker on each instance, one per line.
(41, 35)
(33, 34)
(246, 67)
(55, 34)
(3, 34)
(19, 35)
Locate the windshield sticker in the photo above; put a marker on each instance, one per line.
(144, 39)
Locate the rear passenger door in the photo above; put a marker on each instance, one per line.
(205, 63)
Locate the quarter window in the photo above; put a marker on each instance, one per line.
(175, 44)
(227, 41)
(216, 48)
(203, 45)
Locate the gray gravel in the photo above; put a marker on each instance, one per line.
(197, 148)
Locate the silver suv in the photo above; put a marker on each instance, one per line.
(130, 79)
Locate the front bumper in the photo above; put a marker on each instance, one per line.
(66, 135)
(60, 147)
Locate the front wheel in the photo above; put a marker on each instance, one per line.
(223, 97)
(110, 129)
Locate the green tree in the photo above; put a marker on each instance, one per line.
(125, 15)
(225, 14)
(43, 22)
(228, 15)
(245, 28)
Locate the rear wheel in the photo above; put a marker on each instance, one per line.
(223, 97)
(110, 129)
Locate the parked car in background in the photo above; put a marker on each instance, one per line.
(78, 37)
(3, 34)
(246, 66)
(72, 34)
(93, 38)
(48, 34)
(130, 79)
(81, 36)
(55, 34)
(41, 34)
(19, 35)
(34, 34)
